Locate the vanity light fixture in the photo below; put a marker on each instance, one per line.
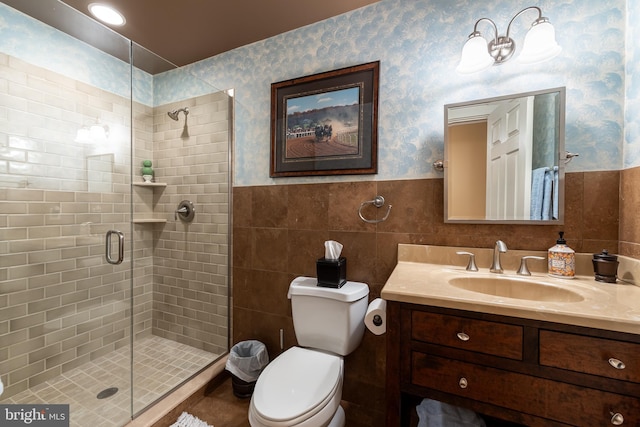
(107, 14)
(539, 45)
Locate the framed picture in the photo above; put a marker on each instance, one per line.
(326, 124)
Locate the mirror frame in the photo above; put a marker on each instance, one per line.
(560, 155)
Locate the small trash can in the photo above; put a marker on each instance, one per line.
(246, 361)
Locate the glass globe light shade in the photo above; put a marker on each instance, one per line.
(475, 55)
(539, 44)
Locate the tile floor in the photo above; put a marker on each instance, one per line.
(159, 366)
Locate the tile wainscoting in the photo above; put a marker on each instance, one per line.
(279, 231)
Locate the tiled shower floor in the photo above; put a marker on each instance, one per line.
(159, 365)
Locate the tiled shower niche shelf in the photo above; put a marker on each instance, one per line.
(150, 220)
(150, 184)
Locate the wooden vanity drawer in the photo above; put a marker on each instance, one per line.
(597, 356)
(498, 339)
(541, 397)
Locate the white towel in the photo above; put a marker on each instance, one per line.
(432, 413)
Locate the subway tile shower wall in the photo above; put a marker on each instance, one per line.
(60, 304)
(191, 259)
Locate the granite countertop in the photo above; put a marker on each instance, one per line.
(423, 272)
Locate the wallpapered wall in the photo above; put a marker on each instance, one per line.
(632, 100)
(418, 44)
(23, 37)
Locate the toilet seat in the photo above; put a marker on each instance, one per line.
(298, 385)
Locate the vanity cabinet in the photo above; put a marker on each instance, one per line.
(523, 371)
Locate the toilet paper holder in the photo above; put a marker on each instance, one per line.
(378, 202)
(377, 320)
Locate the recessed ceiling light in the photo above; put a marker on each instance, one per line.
(107, 14)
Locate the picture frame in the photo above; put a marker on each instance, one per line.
(326, 123)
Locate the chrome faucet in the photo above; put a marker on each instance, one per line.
(496, 267)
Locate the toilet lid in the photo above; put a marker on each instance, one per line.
(295, 383)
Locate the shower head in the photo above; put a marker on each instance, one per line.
(174, 114)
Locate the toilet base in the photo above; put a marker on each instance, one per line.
(339, 418)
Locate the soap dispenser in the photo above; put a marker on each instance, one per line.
(562, 259)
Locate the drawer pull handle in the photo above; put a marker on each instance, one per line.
(617, 419)
(462, 336)
(463, 384)
(618, 364)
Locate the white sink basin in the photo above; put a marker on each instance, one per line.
(523, 289)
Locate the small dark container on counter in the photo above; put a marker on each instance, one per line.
(332, 273)
(605, 267)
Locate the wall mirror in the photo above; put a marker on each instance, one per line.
(504, 159)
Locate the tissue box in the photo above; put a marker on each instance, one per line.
(332, 273)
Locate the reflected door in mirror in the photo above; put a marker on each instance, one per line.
(510, 142)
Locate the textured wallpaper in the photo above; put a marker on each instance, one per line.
(36, 43)
(418, 44)
(632, 99)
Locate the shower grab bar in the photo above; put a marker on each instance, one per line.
(120, 247)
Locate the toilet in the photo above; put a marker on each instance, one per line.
(303, 386)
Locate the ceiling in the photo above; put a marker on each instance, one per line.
(186, 31)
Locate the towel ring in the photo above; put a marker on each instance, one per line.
(378, 202)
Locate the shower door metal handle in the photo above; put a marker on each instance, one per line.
(120, 247)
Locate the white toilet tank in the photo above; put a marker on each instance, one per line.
(326, 318)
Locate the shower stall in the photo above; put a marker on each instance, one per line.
(114, 290)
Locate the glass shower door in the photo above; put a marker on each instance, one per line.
(181, 268)
(65, 174)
